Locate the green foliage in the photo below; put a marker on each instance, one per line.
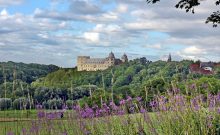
(70, 104)
(5, 103)
(21, 103)
(133, 78)
(15, 78)
(55, 103)
(24, 72)
(189, 5)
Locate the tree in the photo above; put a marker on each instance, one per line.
(189, 5)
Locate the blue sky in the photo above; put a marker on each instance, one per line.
(57, 31)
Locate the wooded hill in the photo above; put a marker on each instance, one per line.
(132, 78)
(13, 74)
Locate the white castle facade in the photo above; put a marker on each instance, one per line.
(85, 63)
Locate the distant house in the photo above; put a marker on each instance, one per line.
(206, 68)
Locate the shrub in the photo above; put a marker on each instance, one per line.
(21, 103)
(5, 103)
(70, 104)
(55, 103)
(45, 105)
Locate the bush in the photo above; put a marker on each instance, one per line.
(45, 105)
(21, 103)
(70, 104)
(55, 103)
(5, 103)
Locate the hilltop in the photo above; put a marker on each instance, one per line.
(129, 78)
(129, 74)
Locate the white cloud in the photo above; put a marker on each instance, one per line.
(110, 16)
(43, 35)
(4, 3)
(2, 44)
(122, 8)
(144, 13)
(156, 46)
(38, 11)
(91, 36)
(62, 24)
(147, 25)
(4, 12)
(193, 50)
(107, 28)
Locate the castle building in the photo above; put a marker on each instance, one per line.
(85, 63)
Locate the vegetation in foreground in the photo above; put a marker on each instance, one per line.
(171, 114)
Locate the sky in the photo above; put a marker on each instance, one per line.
(57, 31)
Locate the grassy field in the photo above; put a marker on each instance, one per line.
(18, 114)
(18, 121)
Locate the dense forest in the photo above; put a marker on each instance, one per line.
(17, 76)
(129, 79)
(138, 77)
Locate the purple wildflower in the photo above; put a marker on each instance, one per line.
(138, 99)
(65, 133)
(122, 102)
(176, 90)
(24, 131)
(129, 98)
(39, 107)
(111, 103)
(209, 121)
(41, 114)
(10, 133)
(154, 103)
(218, 110)
(218, 97)
(87, 113)
(193, 86)
(142, 110)
(195, 104)
(121, 112)
(76, 107)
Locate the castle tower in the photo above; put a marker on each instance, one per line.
(81, 60)
(124, 58)
(111, 59)
(111, 56)
(169, 58)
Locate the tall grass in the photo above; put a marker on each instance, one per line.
(171, 114)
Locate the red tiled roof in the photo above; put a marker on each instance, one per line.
(195, 68)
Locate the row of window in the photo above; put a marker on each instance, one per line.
(91, 69)
(95, 66)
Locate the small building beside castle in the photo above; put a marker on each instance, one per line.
(85, 63)
(203, 68)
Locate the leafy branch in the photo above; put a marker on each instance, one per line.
(189, 5)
